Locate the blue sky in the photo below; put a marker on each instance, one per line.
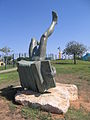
(20, 20)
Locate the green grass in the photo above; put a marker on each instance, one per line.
(79, 114)
(35, 114)
(9, 76)
(81, 69)
(70, 61)
(7, 67)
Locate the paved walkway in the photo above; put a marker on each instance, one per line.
(8, 70)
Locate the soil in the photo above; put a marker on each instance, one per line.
(6, 113)
(7, 97)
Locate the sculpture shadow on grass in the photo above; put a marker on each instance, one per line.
(9, 93)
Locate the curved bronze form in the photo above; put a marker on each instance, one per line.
(37, 51)
(32, 48)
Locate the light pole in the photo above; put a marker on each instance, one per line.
(59, 52)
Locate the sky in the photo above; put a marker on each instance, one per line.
(20, 20)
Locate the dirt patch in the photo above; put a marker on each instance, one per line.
(4, 110)
(81, 102)
(84, 90)
(6, 113)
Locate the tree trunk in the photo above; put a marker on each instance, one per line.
(5, 58)
(74, 58)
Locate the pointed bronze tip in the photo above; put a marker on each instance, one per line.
(54, 16)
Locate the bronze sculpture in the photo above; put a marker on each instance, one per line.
(37, 51)
(38, 73)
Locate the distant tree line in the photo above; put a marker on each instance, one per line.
(72, 48)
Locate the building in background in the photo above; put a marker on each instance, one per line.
(86, 57)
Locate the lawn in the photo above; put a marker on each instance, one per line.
(67, 72)
(7, 67)
(80, 70)
(10, 78)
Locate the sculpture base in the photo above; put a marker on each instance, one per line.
(37, 76)
(55, 100)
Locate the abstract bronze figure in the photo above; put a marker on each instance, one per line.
(38, 73)
(37, 51)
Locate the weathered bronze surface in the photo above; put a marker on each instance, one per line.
(37, 75)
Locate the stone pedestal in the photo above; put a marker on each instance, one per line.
(55, 100)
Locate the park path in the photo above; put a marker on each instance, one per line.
(8, 70)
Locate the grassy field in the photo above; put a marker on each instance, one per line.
(67, 72)
(7, 67)
(10, 78)
(81, 69)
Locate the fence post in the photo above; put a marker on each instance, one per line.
(13, 60)
(5, 58)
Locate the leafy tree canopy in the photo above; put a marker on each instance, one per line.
(74, 48)
(5, 50)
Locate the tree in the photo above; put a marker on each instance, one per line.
(5, 50)
(74, 48)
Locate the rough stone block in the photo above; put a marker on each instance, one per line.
(56, 100)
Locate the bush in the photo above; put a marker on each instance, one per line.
(22, 58)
